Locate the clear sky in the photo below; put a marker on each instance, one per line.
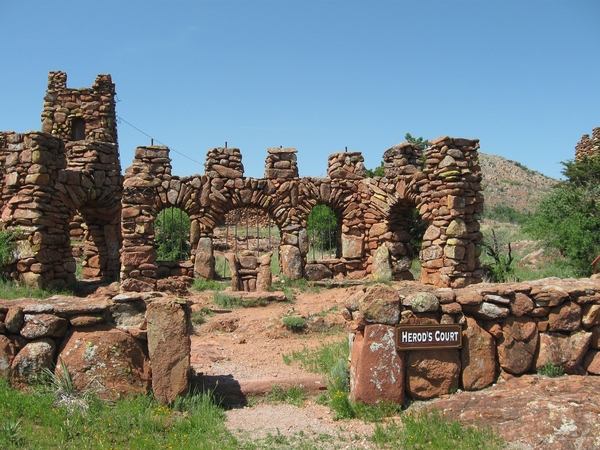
(522, 76)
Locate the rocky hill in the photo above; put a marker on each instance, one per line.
(509, 183)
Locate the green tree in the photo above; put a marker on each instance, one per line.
(172, 235)
(568, 218)
(322, 228)
(378, 171)
(7, 247)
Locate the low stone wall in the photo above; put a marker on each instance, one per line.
(114, 344)
(507, 330)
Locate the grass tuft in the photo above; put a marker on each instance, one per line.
(551, 370)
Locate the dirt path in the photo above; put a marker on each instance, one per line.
(242, 350)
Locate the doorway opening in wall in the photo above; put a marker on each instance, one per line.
(245, 229)
(172, 235)
(323, 233)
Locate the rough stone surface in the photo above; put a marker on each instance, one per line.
(7, 354)
(517, 345)
(106, 360)
(430, 374)
(380, 304)
(478, 357)
(566, 317)
(35, 356)
(562, 350)
(382, 269)
(43, 325)
(377, 370)
(421, 302)
(169, 349)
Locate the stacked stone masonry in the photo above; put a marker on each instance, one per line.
(372, 212)
(62, 190)
(507, 330)
(113, 345)
(588, 147)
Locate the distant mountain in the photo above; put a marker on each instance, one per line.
(509, 183)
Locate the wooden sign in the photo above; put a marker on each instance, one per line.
(428, 337)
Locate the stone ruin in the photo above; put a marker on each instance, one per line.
(63, 191)
(588, 147)
(63, 194)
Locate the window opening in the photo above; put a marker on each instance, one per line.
(323, 233)
(78, 129)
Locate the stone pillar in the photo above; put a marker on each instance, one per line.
(451, 203)
(142, 188)
(32, 208)
(281, 163)
(346, 165)
(224, 163)
(402, 160)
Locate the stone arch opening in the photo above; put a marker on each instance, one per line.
(404, 237)
(172, 235)
(324, 230)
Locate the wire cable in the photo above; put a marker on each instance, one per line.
(120, 119)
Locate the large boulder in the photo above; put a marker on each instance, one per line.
(107, 360)
(169, 348)
(30, 362)
(377, 369)
(563, 350)
(517, 345)
(430, 374)
(382, 268)
(380, 304)
(7, 355)
(478, 357)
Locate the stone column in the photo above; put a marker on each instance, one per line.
(451, 203)
(34, 210)
(142, 187)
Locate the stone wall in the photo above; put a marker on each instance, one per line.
(372, 212)
(64, 185)
(586, 147)
(507, 330)
(113, 344)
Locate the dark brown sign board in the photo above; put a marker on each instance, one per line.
(428, 337)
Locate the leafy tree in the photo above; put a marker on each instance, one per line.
(172, 235)
(322, 228)
(421, 143)
(378, 171)
(568, 218)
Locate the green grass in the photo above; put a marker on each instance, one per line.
(201, 284)
(11, 291)
(227, 301)
(199, 316)
(293, 395)
(34, 421)
(431, 430)
(320, 360)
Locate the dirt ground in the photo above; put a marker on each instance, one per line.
(239, 352)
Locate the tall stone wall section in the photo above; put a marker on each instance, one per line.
(75, 163)
(372, 212)
(588, 147)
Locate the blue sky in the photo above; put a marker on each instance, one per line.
(522, 76)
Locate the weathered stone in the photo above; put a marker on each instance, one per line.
(421, 302)
(591, 362)
(549, 295)
(478, 357)
(314, 272)
(457, 228)
(376, 368)
(522, 304)
(29, 362)
(43, 325)
(566, 317)
(291, 261)
(352, 246)
(7, 355)
(431, 374)
(204, 264)
(591, 316)
(169, 349)
(562, 350)
(468, 297)
(487, 311)
(14, 320)
(517, 345)
(106, 360)
(382, 269)
(380, 304)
